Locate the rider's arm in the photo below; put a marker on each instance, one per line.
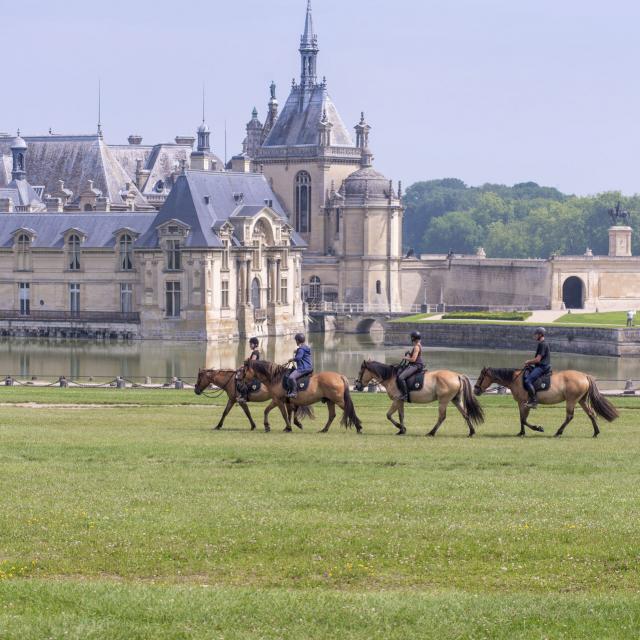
(414, 354)
(535, 360)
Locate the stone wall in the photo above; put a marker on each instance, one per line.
(477, 282)
(565, 339)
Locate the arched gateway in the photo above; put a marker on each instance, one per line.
(573, 293)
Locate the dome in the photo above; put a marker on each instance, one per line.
(366, 180)
(203, 128)
(18, 143)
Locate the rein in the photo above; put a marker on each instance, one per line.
(221, 390)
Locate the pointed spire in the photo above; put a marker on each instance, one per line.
(203, 130)
(202, 103)
(99, 108)
(308, 52)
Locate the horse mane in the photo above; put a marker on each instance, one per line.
(503, 376)
(270, 370)
(381, 370)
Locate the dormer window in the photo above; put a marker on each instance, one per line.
(73, 251)
(126, 252)
(23, 252)
(174, 255)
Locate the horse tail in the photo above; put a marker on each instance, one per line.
(349, 416)
(471, 405)
(303, 412)
(599, 403)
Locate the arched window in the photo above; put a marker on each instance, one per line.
(88, 207)
(303, 202)
(255, 293)
(23, 248)
(378, 287)
(74, 252)
(315, 288)
(126, 252)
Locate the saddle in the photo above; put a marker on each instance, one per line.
(543, 382)
(415, 382)
(254, 386)
(303, 381)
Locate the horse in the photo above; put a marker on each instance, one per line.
(443, 386)
(225, 379)
(328, 387)
(567, 386)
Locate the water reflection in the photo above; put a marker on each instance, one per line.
(48, 359)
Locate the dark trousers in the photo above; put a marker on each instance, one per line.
(531, 377)
(407, 372)
(296, 374)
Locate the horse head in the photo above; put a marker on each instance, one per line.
(484, 381)
(203, 381)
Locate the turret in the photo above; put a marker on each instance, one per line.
(362, 141)
(18, 156)
(308, 52)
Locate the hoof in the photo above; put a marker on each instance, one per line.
(288, 430)
(558, 435)
(521, 434)
(359, 432)
(253, 427)
(471, 435)
(218, 428)
(595, 435)
(401, 432)
(323, 431)
(431, 434)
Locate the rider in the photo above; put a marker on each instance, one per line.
(540, 365)
(242, 388)
(304, 364)
(413, 364)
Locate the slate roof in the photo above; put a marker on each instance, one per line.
(205, 199)
(50, 228)
(22, 194)
(76, 160)
(297, 124)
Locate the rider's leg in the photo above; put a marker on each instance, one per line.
(529, 384)
(293, 383)
(242, 392)
(402, 380)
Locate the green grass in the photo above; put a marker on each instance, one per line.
(418, 317)
(140, 522)
(518, 316)
(609, 318)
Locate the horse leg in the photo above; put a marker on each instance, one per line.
(247, 413)
(230, 402)
(267, 411)
(571, 405)
(285, 414)
(331, 406)
(293, 414)
(442, 414)
(592, 416)
(465, 415)
(524, 414)
(395, 408)
(403, 429)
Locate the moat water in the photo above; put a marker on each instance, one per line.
(135, 360)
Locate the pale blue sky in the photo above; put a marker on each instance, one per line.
(487, 91)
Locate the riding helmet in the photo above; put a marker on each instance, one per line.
(540, 331)
(415, 335)
(253, 342)
(300, 338)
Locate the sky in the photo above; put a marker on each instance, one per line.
(501, 91)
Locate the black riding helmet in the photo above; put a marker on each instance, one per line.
(415, 335)
(540, 331)
(253, 342)
(300, 338)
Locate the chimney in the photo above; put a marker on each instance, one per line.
(135, 139)
(6, 205)
(54, 205)
(185, 140)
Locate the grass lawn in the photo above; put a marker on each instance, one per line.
(417, 317)
(139, 522)
(610, 318)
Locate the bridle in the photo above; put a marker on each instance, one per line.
(221, 388)
(477, 388)
(359, 385)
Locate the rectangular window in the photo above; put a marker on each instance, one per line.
(337, 220)
(126, 298)
(224, 290)
(172, 292)
(25, 298)
(284, 291)
(225, 256)
(74, 298)
(174, 258)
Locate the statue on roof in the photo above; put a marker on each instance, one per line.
(620, 216)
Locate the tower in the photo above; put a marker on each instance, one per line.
(18, 156)
(272, 113)
(254, 134)
(200, 159)
(308, 52)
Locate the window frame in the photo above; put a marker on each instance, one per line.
(302, 202)
(173, 292)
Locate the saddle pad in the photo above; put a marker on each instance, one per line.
(543, 383)
(303, 382)
(415, 382)
(254, 386)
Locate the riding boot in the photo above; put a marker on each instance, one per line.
(404, 391)
(293, 386)
(532, 403)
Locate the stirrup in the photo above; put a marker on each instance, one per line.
(532, 403)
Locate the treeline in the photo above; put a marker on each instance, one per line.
(523, 221)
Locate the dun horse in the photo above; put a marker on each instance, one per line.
(225, 379)
(328, 387)
(443, 386)
(568, 386)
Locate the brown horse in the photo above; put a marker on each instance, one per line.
(443, 386)
(328, 387)
(225, 379)
(568, 386)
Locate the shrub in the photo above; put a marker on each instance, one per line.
(517, 316)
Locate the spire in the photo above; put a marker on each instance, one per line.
(272, 113)
(362, 141)
(203, 130)
(308, 51)
(99, 109)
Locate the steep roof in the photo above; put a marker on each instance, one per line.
(76, 160)
(204, 199)
(49, 228)
(297, 124)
